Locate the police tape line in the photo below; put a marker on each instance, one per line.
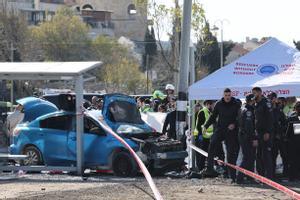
(138, 160)
(262, 179)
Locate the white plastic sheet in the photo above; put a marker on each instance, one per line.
(155, 120)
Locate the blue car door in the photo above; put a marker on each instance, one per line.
(94, 141)
(55, 131)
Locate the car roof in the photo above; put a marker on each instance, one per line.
(57, 113)
(72, 93)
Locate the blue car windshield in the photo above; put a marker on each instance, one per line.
(124, 112)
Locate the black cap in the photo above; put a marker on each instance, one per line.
(208, 102)
(249, 97)
(272, 95)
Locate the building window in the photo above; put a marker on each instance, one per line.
(131, 9)
(87, 7)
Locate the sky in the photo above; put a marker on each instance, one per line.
(254, 18)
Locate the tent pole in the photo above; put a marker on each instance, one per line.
(79, 123)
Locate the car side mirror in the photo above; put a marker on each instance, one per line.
(97, 131)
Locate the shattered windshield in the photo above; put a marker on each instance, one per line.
(123, 111)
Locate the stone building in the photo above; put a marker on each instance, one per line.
(128, 19)
(106, 17)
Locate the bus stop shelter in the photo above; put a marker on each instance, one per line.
(67, 71)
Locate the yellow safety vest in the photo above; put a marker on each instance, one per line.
(210, 129)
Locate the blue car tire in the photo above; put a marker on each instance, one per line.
(123, 165)
(34, 156)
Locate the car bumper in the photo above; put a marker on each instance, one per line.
(169, 161)
(170, 155)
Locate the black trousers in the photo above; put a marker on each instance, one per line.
(280, 147)
(264, 163)
(232, 148)
(204, 145)
(200, 159)
(294, 161)
(249, 152)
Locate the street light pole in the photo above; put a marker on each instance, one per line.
(215, 28)
(221, 49)
(184, 68)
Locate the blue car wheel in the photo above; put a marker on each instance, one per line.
(123, 165)
(34, 156)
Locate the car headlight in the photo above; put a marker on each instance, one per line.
(125, 129)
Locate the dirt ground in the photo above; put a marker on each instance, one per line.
(55, 187)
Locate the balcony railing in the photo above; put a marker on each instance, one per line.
(99, 24)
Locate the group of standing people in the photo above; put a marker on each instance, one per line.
(163, 103)
(159, 101)
(262, 128)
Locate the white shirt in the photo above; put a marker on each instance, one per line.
(13, 120)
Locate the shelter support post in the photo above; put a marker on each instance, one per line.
(12, 95)
(192, 153)
(79, 123)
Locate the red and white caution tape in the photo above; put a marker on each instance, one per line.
(138, 160)
(262, 179)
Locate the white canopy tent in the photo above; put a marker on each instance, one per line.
(274, 66)
(53, 71)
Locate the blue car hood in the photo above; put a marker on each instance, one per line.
(35, 107)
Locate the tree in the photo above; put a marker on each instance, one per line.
(208, 50)
(106, 49)
(12, 33)
(120, 72)
(64, 38)
(124, 76)
(13, 30)
(163, 17)
(297, 44)
(150, 48)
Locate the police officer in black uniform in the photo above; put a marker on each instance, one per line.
(264, 128)
(247, 136)
(279, 145)
(226, 110)
(293, 136)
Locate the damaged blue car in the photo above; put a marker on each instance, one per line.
(50, 139)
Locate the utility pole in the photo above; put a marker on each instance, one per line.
(12, 81)
(147, 73)
(176, 34)
(184, 68)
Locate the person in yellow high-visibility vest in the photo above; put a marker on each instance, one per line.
(202, 139)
